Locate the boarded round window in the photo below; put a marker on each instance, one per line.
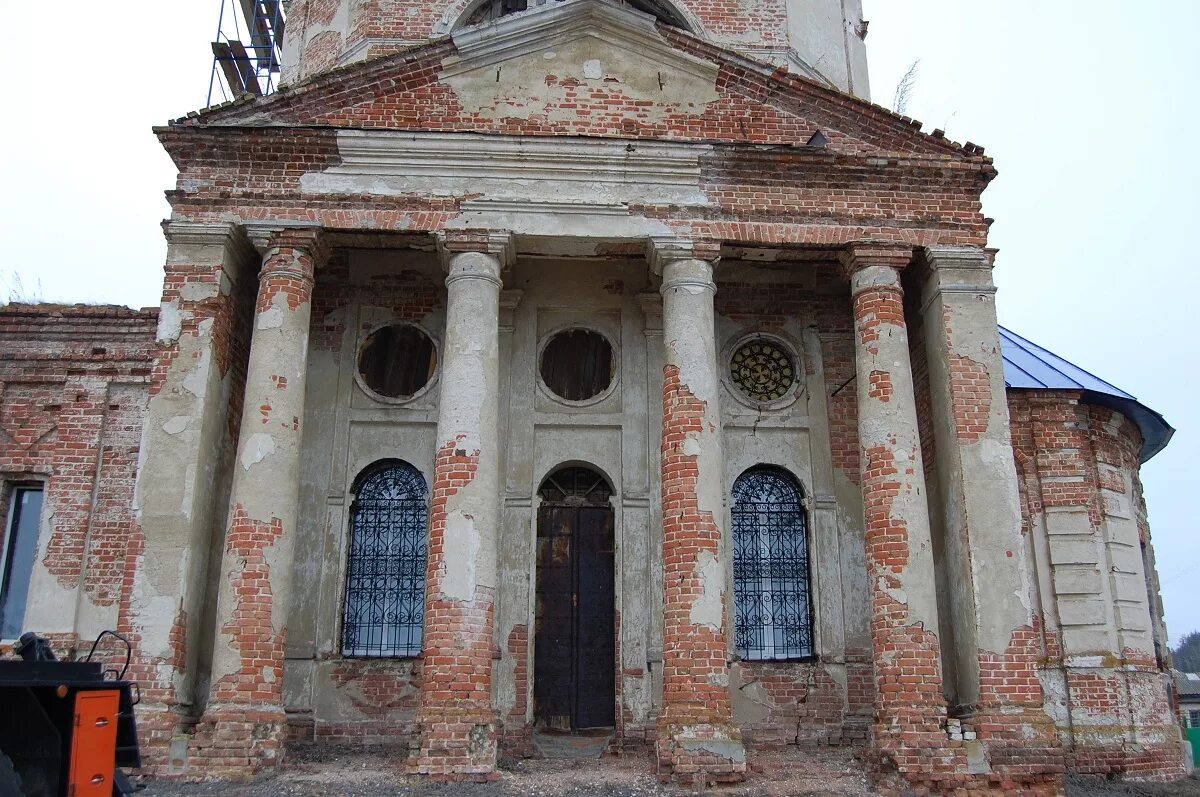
(577, 364)
(397, 361)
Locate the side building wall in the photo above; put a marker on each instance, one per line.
(1085, 523)
(74, 383)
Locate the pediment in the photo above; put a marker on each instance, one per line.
(559, 57)
(588, 68)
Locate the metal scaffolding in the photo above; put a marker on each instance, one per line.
(247, 49)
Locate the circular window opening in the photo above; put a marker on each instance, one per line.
(397, 361)
(577, 364)
(763, 370)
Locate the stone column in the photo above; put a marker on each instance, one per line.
(904, 625)
(697, 741)
(186, 451)
(457, 718)
(244, 724)
(995, 646)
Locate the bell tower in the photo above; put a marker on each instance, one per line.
(820, 39)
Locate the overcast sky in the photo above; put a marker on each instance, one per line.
(1088, 106)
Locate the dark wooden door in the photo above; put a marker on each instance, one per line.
(574, 635)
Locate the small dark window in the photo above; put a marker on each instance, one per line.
(577, 364)
(491, 10)
(397, 361)
(772, 606)
(385, 572)
(17, 557)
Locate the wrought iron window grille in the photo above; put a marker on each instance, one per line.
(385, 570)
(771, 575)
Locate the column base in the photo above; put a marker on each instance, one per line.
(1133, 762)
(928, 763)
(236, 743)
(700, 755)
(456, 745)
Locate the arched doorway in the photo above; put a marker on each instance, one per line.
(574, 623)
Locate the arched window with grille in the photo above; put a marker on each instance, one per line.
(771, 586)
(385, 569)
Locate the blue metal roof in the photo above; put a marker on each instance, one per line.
(1027, 366)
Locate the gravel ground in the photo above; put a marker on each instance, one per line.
(1088, 786)
(325, 771)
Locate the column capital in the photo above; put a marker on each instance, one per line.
(267, 235)
(957, 270)
(294, 252)
(197, 233)
(864, 254)
(498, 244)
(223, 244)
(665, 249)
(972, 257)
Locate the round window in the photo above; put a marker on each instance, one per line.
(577, 364)
(763, 370)
(397, 361)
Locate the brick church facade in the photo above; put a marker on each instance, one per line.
(591, 365)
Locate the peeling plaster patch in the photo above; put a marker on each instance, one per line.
(189, 491)
(707, 608)
(751, 703)
(196, 382)
(272, 317)
(199, 291)
(729, 750)
(258, 447)
(461, 551)
(177, 424)
(994, 452)
(898, 594)
(170, 322)
(592, 70)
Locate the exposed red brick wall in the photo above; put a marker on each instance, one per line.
(385, 694)
(458, 724)
(249, 629)
(696, 652)
(694, 656)
(804, 704)
(74, 383)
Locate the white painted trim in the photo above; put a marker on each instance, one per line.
(577, 172)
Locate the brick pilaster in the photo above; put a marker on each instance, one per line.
(244, 725)
(909, 706)
(996, 645)
(457, 719)
(697, 741)
(187, 442)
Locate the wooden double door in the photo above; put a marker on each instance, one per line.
(574, 629)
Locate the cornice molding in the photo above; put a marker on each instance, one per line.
(565, 169)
